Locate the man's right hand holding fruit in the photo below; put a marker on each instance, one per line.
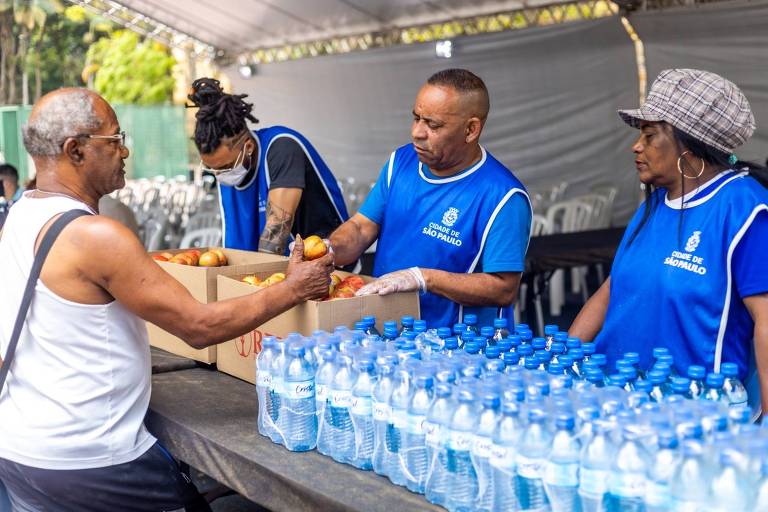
(309, 279)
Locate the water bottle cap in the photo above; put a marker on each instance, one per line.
(526, 336)
(600, 359)
(410, 335)
(666, 358)
(572, 342)
(740, 414)
(443, 332)
(632, 357)
(511, 358)
(481, 341)
(542, 356)
(565, 421)
(681, 384)
(667, 439)
(504, 344)
(296, 349)
(391, 324)
(369, 320)
(566, 360)
(531, 363)
(491, 400)
(268, 342)
(424, 381)
(591, 365)
(486, 331)
(361, 325)
(537, 415)
(390, 332)
(459, 328)
(576, 353)
(617, 380)
(471, 347)
(719, 422)
(624, 363)
(492, 352)
(729, 369)
(550, 330)
(588, 348)
(500, 323)
(451, 343)
(363, 365)
(643, 385)
(539, 343)
(522, 327)
(542, 386)
(525, 350)
(566, 381)
(715, 380)
(557, 347)
(664, 368)
(406, 321)
(555, 369)
(594, 376)
(628, 373)
(696, 372)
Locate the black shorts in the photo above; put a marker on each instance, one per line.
(151, 483)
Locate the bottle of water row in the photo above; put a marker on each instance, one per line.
(362, 414)
(298, 401)
(263, 384)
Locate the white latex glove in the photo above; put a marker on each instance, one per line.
(408, 280)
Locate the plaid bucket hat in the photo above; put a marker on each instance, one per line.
(704, 105)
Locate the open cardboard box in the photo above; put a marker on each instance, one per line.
(238, 357)
(201, 283)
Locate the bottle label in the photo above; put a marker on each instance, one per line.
(381, 411)
(295, 390)
(400, 418)
(432, 432)
(416, 424)
(530, 468)
(460, 441)
(263, 379)
(361, 406)
(657, 494)
(593, 481)
(564, 475)
(502, 457)
(628, 485)
(481, 447)
(341, 398)
(321, 392)
(276, 385)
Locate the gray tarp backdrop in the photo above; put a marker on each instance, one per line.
(554, 93)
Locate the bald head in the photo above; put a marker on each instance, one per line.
(472, 92)
(61, 114)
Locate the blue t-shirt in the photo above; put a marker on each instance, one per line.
(491, 208)
(681, 286)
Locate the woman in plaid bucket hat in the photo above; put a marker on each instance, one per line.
(691, 273)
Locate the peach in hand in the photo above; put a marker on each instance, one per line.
(314, 248)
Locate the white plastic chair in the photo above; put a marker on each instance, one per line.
(205, 237)
(154, 233)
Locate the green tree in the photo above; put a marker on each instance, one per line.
(131, 71)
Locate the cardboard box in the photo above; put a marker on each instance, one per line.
(238, 357)
(201, 283)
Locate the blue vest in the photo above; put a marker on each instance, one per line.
(674, 289)
(244, 206)
(441, 224)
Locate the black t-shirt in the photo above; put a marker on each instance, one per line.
(289, 167)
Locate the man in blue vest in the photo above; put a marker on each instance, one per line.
(451, 221)
(273, 184)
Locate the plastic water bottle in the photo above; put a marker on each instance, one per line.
(734, 389)
(503, 457)
(471, 322)
(458, 332)
(730, 489)
(323, 380)
(561, 473)
(690, 482)
(382, 413)
(532, 453)
(681, 386)
(263, 381)
(658, 392)
(696, 373)
(595, 468)
(274, 404)
(549, 334)
(762, 485)
(343, 449)
(714, 389)
(487, 420)
(299, 401)
(463, 479)
(414, 446)
(626, 484)
(500, 329)
(436, 428)
(657, 492)
(407, 324)
(362, 414)
(370, 323)
(451, 346)
(398, 403)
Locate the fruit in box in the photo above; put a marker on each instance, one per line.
(346, 287)
(209, 259)
(255, 281)
(193, 257)
(314, 248)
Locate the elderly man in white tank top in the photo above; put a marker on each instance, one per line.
(71, 410)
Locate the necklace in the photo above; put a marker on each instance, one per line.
(61, 194)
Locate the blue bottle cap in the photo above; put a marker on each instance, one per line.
(555, 369)
(594, 376)
(537, 416)
(591, 365)
(443, 332)
(419, 325)
(531, 364)
(522, 327)
(600, 359)
(511, 358)
(471, 347)
(715, 380)
(565, 421)
(557, 347)
(510, 408)
(633, 357)
(696, 372)
(500, 323)
(491, 400)
(729, 369)
(424, 381)
(616, 380)
(492, 352)
(740, 414)
(628, 373)
(481, 341)
(470, 319)
(657, 377)
(643, 385)
(572, 342)
(407, 320)
(268, 342)
(504, 345)
(681, 384)
(624, 363)
(667, 439)
(550, 330)
(410, 335)
(566, 360)
(666, 358)
(363, 365)
(370, 320)
(525, 350)
(588, 348)
(390, 332)
(486, 331)
(515, 340)
(407, 344)
(459, 328)
(665, 368)
(576, 353)
(443, 390)
(539, 343)
(527, 336)
(451, 343)
(361, 325)
(692, 431)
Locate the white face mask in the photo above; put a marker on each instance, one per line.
(234, 175)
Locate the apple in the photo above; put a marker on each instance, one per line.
(343, 293)
(209, 259)
(314, 248)
(222, 257)
(181, 259)
(354, 282)
(166, 255)
(159, 257)
(335, 280)
(194, 257)
(252, 280)
(274, 279)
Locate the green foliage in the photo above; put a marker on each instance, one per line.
(131, 71)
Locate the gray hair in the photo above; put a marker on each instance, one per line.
(65, 114)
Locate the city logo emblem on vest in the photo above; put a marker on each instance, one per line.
(450, 216)
(693, 242)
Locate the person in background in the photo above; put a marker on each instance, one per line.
(273, 184)
(72, 434)
(691, 273)
(451, 221)
(10, 178)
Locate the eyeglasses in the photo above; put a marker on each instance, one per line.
(116, 137)
(238, 160)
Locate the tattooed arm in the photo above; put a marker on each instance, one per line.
(281, 208)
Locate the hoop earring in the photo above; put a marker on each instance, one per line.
(680, 167)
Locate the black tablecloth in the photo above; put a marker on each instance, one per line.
(208, 420)
(551, 252)
(163, 361)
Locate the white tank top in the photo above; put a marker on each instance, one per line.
(79, 386)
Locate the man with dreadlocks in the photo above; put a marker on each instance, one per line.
(272, 182)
